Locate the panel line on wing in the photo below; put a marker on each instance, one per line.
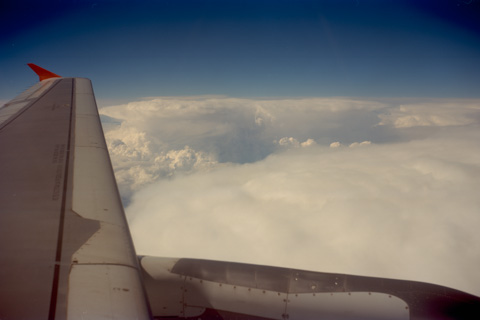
(29, 104)
(58, 255)
(107, 264)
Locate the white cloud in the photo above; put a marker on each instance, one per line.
(445, 112)
(229, 179)
(308, 143)
(361, 144)
(290, 142)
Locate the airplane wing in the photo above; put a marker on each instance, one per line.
(65, 246)
(66, 251)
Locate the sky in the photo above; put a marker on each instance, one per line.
(335, 136)
(247, 48)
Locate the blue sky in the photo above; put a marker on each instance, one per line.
(246, 48)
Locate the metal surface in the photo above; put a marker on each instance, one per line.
(64, 241)
(105, 271)
(346, 306)
(213, 289)
(32, 169)
(105, 292)
(26, 98)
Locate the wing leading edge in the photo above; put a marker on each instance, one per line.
(65, 244)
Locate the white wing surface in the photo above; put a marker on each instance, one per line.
(66, 251)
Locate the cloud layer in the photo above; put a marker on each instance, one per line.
(380, 187)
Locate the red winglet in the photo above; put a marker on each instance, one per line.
(42, 73)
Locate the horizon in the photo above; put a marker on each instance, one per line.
(247, 48)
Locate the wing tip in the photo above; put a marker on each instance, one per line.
(42, 73)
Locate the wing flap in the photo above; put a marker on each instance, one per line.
(109, 291)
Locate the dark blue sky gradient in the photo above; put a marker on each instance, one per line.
(247, 48)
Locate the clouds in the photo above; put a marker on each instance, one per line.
(446, 112)
(222, 130)
(273, 182)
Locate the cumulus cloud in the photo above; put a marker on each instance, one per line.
(325, 184)
(440, 113)
(361, 144)
(308, 143)
(290, 142)
(218, 130)
(337, 144)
